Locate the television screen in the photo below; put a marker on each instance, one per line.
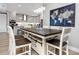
(63, 16)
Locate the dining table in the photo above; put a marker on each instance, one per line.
(42, 33)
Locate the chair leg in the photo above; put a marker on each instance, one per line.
(47, 49)
(60, 51)
(54, 50)
(29, 49)
(67, 52)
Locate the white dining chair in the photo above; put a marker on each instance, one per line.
(23, 45)
(18, 43)
(59, 44)
(12, 46)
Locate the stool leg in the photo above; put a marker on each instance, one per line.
(54, 50)
(47, 49)
(60, 51)
(29, 49)
(67, 52)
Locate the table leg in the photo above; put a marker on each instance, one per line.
(44, 52)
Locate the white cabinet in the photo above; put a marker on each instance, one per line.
(3, 23)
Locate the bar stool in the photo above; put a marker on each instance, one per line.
(23, 45)
(57, 46)
(18, 45)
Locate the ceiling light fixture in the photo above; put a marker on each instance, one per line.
(39, 10)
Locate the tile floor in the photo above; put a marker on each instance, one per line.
(70, 52)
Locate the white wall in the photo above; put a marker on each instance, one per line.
(74, 37)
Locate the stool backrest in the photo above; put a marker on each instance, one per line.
(64, 35)
(11, 41)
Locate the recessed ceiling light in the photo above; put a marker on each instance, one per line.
(19, 5)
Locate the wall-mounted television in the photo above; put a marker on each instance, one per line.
(63, 16)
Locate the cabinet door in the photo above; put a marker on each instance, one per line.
(3, 23)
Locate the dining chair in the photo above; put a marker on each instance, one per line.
(12, 45)
(18, 45)
(59, 45)
(23, 45)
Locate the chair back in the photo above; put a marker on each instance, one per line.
(11, 41)
(64, 35)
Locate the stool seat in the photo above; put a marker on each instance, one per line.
(23, 45)
(22, 41)
(56, 42)
(19, 37)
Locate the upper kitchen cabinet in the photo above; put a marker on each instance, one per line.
(19, 17)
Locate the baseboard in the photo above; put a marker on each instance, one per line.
(74, 49)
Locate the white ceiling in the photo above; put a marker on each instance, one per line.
(3, 7)
(23, 8)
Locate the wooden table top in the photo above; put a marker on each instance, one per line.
(22, 42)
(42, 31)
